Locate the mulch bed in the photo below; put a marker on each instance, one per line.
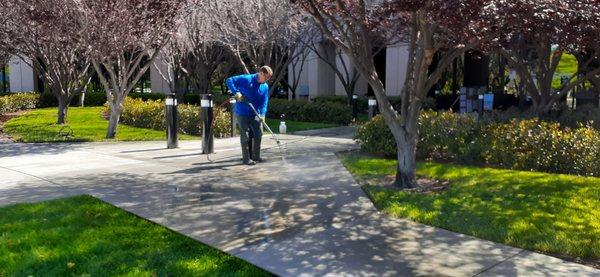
(424, 185)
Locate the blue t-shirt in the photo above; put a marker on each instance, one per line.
(253, 92)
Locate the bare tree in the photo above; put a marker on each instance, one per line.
(125, 37)
(193, 55)
(46, 34)
(294, 75)
(427, 27)
(259, 32)
(170, 66)
(206, 52)
(345, 72)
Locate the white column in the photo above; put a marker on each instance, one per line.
(157, 82)
(326, 76)
(22, 77)
(340, 60)
(396, 63)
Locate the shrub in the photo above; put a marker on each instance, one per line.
(93, 99)
(331, 99)
(151, 114)
(523, 144)
(18, 101)
(446, 136)
(587, 114)
(310, 112)
(375, 137)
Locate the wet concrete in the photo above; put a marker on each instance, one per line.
(302, 215)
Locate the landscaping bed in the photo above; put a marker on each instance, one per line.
(84, 236)
(549, 213)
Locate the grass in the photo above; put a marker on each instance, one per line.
(40, 126)
(549, 213)
(566, 67)
(295, 126)
(87, 124)
(85, 236)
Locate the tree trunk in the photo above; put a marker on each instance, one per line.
(63, 106)
(407, 150)
(203, 83)
(113, 121)
(82, 99)
(543, 107)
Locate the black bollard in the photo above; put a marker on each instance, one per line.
(233, 121)
(206, 106)
(372, 108)
(171, 116)
(480, 104)
(354, 106)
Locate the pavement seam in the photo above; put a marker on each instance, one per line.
(31, 175)
(500, 262)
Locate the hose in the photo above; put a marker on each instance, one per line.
(212, 123)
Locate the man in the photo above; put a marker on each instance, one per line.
(253, 89)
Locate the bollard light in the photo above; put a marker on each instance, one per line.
(206, 106)
(171, 116)
(354, 106)
(372, 108)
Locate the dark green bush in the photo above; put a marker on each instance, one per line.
(331, 99)
(524, 144)
(151, 114)
(375, 137)
(310, 112)
(92, 99)
(18, 101)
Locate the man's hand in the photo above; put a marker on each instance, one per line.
(238, 97)
(260, 119)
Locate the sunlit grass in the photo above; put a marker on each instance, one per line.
(86, 124)
(551, 213)
(85, 236)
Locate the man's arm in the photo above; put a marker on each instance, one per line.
(235, 83)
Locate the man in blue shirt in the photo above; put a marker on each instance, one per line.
(251, 88)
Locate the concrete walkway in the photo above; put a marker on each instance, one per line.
(301, 216)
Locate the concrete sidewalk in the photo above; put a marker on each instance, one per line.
(302, 215)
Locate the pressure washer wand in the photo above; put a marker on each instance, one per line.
(264, 123)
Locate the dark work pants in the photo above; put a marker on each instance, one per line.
(249, 130)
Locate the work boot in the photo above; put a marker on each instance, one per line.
(256, 151)
(246, 157)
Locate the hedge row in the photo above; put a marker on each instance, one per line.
(151, 114)
(18, 101)
(310, 112)
(363, 102)
(95, 99)
(523, 144)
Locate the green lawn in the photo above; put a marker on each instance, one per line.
(40, 126)
(87, 124)
(295, 126)
(85, 236)
(550, 213)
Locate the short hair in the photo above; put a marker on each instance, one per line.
(265, 69)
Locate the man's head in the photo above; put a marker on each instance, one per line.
(264, 74)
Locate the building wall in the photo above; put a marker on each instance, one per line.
(319, 79)
(396, 63)
(22, 77)
(316, 77)
(157, 82)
